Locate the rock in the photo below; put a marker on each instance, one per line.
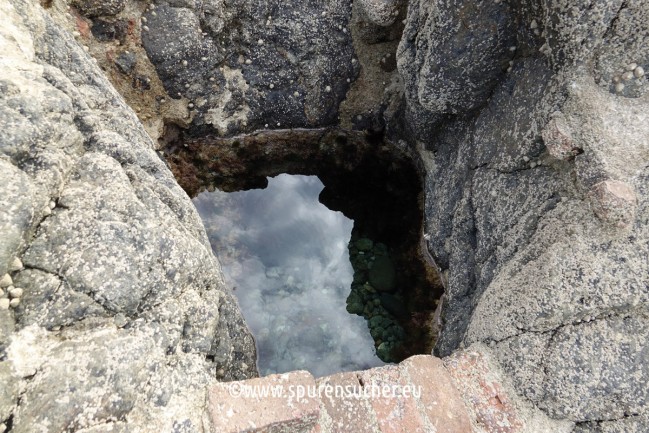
(614, 202)
(8, 391)
(126, 62)
(558, 140)
(121, 238)
(394, 306)
(382, 276)
(380, 12)
(95, 8)
(364, 244)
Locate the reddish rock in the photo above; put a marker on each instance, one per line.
(558, 139)
(438, 399)
(273, 404)
(341, 398)
(485, 397)
(614, 202)
(394, 414)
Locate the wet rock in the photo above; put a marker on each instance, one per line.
(382, 276)
(364, 244)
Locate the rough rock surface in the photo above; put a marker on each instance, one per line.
(123, 315)
(529, 121)
(536, 194)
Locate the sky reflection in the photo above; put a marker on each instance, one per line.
(286, 254)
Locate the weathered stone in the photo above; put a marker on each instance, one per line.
(347, 411)
(558, 139)
(95, 8)
(272, 404)
(488, 403)
(614, 202)
(381, 12)
(440, 400)
(394, 413)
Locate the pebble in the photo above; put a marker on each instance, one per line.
(16, 265)
(4, 304)
(638, 72)
(15, 292)
(14, 302)
(6, 281)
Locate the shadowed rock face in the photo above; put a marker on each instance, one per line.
(247, 64)
(528, 121)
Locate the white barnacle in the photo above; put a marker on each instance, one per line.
(248, 61)
(328, 89)
(619, 87)
(627, 75)
(631, 66)
(260, 42)
(272, 86)
(203, 58)
(145, 28)
(638, 72)
(296, 94)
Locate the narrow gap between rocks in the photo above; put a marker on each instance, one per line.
(386, 281)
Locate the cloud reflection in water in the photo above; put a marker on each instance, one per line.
(286, 254)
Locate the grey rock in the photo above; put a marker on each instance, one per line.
(8, 391)
(381, 12)
(95, 8)
(106, 237)
(266, 61)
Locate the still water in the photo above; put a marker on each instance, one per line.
(286, 256)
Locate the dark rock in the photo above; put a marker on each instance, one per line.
(382, 275)
(126, 62)
(105, 31)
